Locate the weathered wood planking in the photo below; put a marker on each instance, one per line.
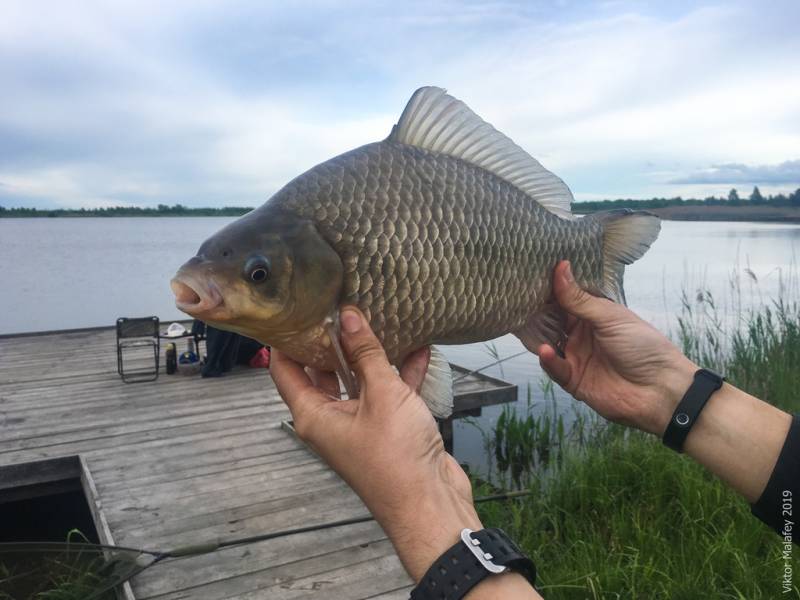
(183, 460)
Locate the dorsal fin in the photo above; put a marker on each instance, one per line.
(435, 121)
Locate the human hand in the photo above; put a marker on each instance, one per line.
(615, 362)
(384, 444)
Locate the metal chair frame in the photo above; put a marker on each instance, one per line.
(138, 332)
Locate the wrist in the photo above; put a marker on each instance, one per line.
(673, 384)
(425, 527)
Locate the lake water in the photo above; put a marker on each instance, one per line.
(67, 273)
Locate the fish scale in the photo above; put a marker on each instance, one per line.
(446, 232)
(446, 252)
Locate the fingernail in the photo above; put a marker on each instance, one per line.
(568, 274)
(351, 321)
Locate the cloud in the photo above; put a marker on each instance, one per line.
(785, 172)
(209, 105)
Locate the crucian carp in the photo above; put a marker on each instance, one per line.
(445, 232)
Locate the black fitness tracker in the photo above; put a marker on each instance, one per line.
(476, 556)
(705, 383)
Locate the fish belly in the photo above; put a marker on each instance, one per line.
(435, 249)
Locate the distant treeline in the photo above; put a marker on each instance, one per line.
(162, 210)
(733, 199)
(178, 210)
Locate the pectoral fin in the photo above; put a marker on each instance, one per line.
(437, 388)
(546, 326)
(343, 369)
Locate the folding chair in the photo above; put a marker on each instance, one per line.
(137, 333)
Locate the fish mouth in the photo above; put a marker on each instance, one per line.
(197, 298)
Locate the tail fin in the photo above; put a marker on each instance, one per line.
(627, 235)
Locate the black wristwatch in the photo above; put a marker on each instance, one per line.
(476, 556)
(705, 383)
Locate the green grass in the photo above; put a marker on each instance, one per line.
(614, 514)
(67, 573)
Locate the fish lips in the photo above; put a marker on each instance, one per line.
(199, 298)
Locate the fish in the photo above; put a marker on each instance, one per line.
(445, 232)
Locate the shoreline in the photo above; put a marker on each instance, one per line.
(765, 214)
(687, 212)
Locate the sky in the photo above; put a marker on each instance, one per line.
(107, 103)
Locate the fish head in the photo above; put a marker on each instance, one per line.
(269, 276)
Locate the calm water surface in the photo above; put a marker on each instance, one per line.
(65, 273)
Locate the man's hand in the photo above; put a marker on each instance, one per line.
(630, 373)
(618, 364)
(384, 443)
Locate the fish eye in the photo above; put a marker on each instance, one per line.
(258, 275)
(257, 269)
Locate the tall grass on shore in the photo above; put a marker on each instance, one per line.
(614, 514)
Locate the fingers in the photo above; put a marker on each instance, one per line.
(366, 355)
(327, 381)
(415, 367)
(556, 367)
(294, 385)
(576, 300)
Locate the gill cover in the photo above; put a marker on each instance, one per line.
(317, 273)
(278, 276)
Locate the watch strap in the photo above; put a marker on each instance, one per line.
(474, 557)
(688, 410)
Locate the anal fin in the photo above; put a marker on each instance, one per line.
(437, 388)
(546, 326)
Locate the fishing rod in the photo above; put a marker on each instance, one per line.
(483, 368)
(212, 546)
(114, 565)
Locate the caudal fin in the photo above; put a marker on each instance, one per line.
(627, 235)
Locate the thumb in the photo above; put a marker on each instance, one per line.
(574, 299)
(364, 351)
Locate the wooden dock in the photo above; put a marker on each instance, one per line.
(185, 460)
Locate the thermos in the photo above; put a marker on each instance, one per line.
(172, 358)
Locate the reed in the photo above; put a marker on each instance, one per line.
(614, 514)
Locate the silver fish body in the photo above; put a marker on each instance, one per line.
(446, 232)
(436, 250)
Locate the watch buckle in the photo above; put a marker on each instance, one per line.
(484, 558)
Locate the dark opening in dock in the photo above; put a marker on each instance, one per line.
(48, 519)
(43, 501)
(49, 501)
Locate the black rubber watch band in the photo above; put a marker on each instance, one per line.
(476, 556)
(705, 383)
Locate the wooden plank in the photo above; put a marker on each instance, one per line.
(124, 592)
(96, 445)
(109, 427)
(186, 460)
(193, 495)
(399, 594)
(216, 475)
(475, 391)
(237, 503)
(312, 507)
(39, 472)
(352, 581)
(256, 565)
(342, 574)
